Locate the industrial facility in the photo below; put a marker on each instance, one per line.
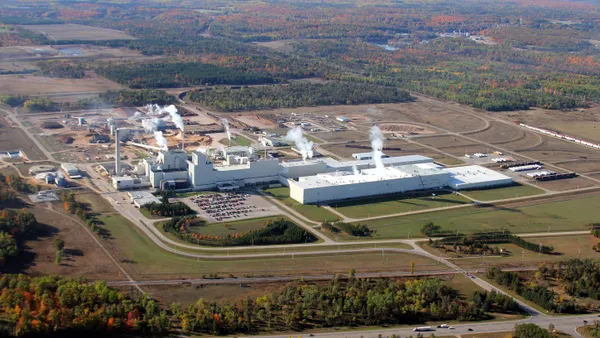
(310, 181)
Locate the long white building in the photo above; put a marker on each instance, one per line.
(369, 182)
(329, 187)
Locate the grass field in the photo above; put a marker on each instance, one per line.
(138, 253)
(313, 139)
(552, 216)
(566, 247)
(225, 228)
(516, 190)
(312, 212)
(394, 204)
(237, 140)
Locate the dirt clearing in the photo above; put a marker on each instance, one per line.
(15, 139)
(32, 85)
(77, 32)
(83, 257)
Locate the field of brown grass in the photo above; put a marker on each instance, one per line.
(40, 85)
(77, 32)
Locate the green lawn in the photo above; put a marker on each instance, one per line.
(312, 212)
(225, 228)
(313, 139)
(394, 204)
(237, 140)
(568, 215)
(149, 261)
(516, 190)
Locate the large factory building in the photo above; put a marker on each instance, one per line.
(369, 182)
(327, 187)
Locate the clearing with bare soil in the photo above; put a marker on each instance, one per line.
(77, 32)
(39, 85)
(12, 138)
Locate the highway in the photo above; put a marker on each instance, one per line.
(567, 324)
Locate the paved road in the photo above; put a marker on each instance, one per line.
(566, 324)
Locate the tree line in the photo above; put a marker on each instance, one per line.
(81, 210)
(361, 230)
(180, 74)
(479, 240)
(297, 95)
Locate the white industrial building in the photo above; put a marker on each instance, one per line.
(475, 177)
(71, 170)
(395, 179)
(369, 182)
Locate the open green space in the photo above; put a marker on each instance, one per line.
(573, 214)
(312, 212)
(399, 203)
(501, 193)
(565, 247)
(237, 140)
(146, 259)
(313, 139)
(281, 250)
(231, 228)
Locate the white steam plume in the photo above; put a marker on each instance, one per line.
(226, 126)
(161, 141)
(153, 109)
(355, 170)
(201, 150)
(377, 145)
(176, 118)
(151, 125)
(250, 151)
(304, 146)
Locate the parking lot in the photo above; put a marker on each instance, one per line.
(221, 207)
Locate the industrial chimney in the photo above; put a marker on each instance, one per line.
(117, 153)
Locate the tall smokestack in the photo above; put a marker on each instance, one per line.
(117, 154)
(182, 140)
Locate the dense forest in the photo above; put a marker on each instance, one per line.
(169, 75)
(62, 69)
(39, 305)
(578, 277)
(297, 95)
(135, 97)
(280, 231)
